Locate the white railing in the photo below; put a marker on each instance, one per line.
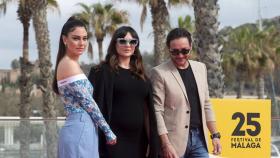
(10, 135)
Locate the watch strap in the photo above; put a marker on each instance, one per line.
(215, 135)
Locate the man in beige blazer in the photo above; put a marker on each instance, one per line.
(181, 99)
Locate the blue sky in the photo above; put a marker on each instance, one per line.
(232, 13)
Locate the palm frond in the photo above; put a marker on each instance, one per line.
(143, 16)
(53, 6)
(108, 7)
(84, 6)
(3, 6)
(179, 2)
(98, 9)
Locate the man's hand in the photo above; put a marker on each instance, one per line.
(169, 151)
(217, 147)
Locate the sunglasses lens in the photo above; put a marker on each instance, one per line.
(175, 52)
(185, 51)
(133, 42)
(182, 51)
(122, 41)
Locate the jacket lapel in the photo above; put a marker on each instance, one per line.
(177, 77)
(198, 79)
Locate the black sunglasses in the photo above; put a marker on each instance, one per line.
(131, 42)
(183, 51)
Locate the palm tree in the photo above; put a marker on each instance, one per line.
(206, 21)
(239, 57)
(242, 41)
(43, 44)
(104, 19)
(36, 10)
(267, 41)
(160, 23)
(252, 53)
(24, 14)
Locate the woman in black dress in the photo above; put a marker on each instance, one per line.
(123, 93)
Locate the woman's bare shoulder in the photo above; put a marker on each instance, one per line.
(67, 68)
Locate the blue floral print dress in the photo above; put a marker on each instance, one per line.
(78, 137)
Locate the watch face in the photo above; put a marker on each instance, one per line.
(216, 135)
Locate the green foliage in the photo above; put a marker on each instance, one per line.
(249, 52)
(53, 6)
(3, 6)
(102, 20)
(145, 3)
(15, 64)
(105, 19)
(179, 2)
(278, 51)
(186, 23)
(9, 103)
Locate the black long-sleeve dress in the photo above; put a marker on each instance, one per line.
(122, 98)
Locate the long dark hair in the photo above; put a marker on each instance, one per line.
(136, 63)
(69, 26)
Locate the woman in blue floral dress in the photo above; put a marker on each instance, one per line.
(78, 137)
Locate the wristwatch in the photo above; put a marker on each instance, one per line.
(215, 135)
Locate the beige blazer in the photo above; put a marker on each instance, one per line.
(171, 103)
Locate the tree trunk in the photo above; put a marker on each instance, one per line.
(260, 85)
(240, 88)
(100, 48)
(25, 86)
(206, 21)
(160, 23)
(43, 44)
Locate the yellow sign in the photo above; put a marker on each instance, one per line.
(245, 127)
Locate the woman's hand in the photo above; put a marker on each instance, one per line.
(112, 142)
(169, 151)
(111, 138)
